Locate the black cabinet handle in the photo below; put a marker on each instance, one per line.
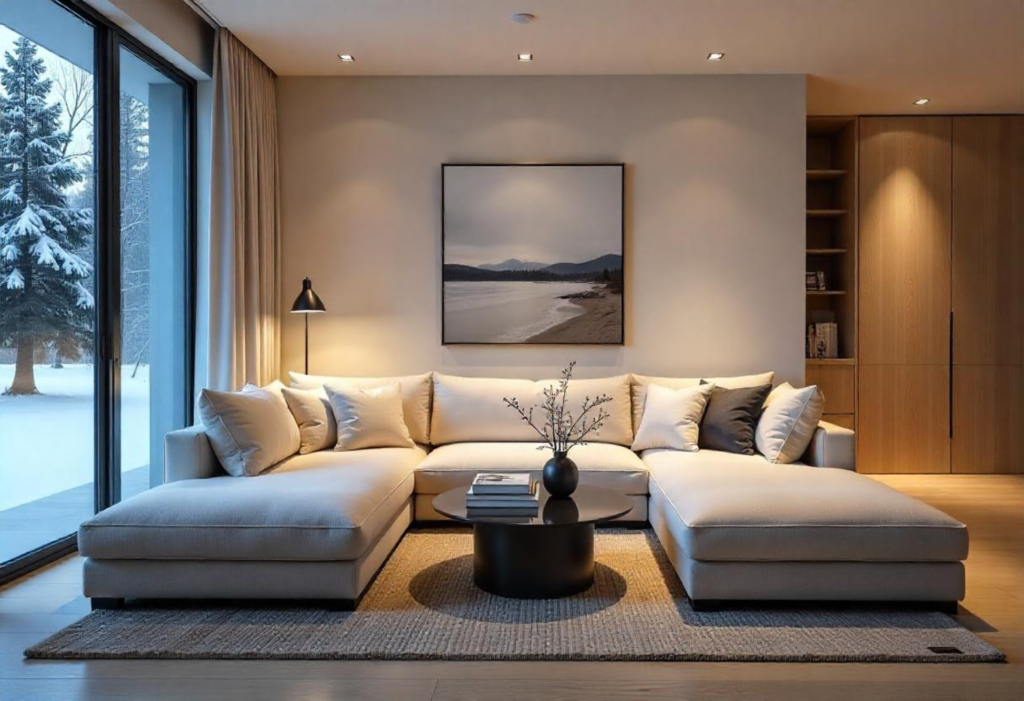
(950, 374)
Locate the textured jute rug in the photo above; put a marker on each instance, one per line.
(424, 606)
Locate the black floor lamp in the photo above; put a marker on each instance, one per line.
(307, 303)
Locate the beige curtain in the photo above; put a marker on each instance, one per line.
(245, 236)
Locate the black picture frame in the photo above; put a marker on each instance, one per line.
(622, 247)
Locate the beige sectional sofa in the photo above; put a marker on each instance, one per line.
(320, 525)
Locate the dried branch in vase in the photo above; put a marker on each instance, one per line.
(559, 430)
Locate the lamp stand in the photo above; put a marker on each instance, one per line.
(307, 343)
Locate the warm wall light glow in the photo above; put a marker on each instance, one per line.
(715, 56)
(347, 58)
(525, 57)
(922, 101)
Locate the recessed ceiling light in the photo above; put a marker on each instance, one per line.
(525, 57)
(523, 18)
(715, 56)
(347, 58)
(921, 101)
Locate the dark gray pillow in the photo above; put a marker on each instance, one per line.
(730, 419)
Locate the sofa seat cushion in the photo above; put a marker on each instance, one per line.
(601, 465)
(743, 508)
(324, 506)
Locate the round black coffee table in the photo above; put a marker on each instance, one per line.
(545, 556)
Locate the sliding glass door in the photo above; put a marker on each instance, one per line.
(96, 233)
(154, 351)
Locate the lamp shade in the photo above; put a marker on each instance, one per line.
(307, 302)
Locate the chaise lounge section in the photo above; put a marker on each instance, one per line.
(738, 528)
(318, 526)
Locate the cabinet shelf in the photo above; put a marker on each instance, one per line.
(826, 212)
(826, 251)
(826, 173)
(830, 361)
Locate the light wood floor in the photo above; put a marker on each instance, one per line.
(992, 506)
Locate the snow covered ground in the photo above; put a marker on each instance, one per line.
(46, 440)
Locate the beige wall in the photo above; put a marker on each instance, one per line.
(714, 215)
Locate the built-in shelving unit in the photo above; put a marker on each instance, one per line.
(831, 249)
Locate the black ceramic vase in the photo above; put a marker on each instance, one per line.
(561, 475)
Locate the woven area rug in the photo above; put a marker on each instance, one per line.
(424, 606)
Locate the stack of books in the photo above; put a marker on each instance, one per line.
(502, 494)
(823, 340)
(815, 280)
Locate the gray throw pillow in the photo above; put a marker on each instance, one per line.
(730, 420)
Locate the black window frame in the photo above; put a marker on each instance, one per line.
(109, 39)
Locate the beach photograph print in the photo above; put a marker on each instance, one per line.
(532, 254)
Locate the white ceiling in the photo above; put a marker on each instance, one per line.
(861, 56)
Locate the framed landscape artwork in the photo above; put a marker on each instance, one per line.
(532, 253)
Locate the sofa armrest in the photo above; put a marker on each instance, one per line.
(189, 455)
(832, 446)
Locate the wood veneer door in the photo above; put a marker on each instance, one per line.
(903, 419)
(988, 240)
(905, 241)
(988, 419)
(988, 294)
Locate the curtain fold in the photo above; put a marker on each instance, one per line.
(245, 238)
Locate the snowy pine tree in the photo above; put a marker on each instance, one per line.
(42, 295)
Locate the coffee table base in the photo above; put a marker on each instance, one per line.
(533, 563)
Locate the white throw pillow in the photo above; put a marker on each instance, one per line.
(672, 417)
(788, 422)
(312, 411)
(416, 390)
(641, 383)
(369, 418)
(250, 430)
(471, 408)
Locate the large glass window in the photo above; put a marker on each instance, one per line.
(47, 276)
(95, 239)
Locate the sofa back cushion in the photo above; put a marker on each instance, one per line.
(471, 408)
(415, 391)
(250, 430)
(641, 382)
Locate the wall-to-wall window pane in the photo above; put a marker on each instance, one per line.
(153, 226)
(47, 275)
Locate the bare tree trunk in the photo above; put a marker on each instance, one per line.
(24, 374)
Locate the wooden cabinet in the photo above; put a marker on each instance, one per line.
(903, 422)
(837, 381)
(988, 419)
(988, 294)
(940, 377)
(904, 240)
(904, 294)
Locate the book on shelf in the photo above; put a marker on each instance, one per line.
(815, 281)
(823, 340)
(502, 483)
